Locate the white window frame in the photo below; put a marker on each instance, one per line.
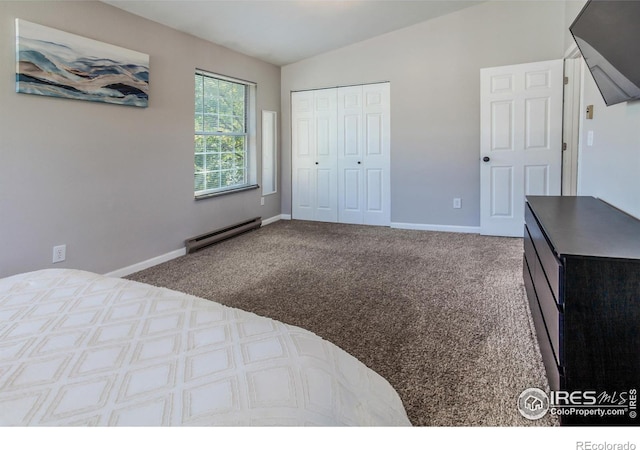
(269, 152)
(250, 181)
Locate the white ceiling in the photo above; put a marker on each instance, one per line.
(285, 31)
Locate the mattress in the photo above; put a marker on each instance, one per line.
(77, 348)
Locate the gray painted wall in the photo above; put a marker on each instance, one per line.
(434, 70)
(610, 168)
(572, 9)
(113, 183)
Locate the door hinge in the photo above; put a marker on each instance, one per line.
(566, 80)
(564, 146)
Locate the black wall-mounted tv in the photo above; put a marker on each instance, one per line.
(607, 33)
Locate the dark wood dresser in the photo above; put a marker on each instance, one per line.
(582, 277)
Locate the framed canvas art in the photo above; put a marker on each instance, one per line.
(59, 64)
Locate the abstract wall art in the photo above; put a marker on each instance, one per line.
(59, 64)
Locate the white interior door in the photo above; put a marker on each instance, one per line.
(521, 141)
(314, 162)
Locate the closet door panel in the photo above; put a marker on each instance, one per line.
(373, 137)
(351, 135)
(377, 157)
(351, 197)
(314, 160)
(324, 138)
(325, 103)
(304, 194)
(375, 191)
(325, 189)
(303, 156)
(350, 154)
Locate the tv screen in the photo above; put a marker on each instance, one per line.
(607, 33)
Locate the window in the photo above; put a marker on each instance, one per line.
(269, 149)
(223, 139)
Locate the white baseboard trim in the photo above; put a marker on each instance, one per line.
(271, 220)
(429, 227)
(119, 273)
(146, 264)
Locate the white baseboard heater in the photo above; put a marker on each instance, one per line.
(204, 240)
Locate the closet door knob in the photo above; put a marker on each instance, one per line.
(316, 163)
(359, 162)
(486, 159)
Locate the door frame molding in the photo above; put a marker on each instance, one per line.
(572, 119)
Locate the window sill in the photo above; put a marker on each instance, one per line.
(227, 191)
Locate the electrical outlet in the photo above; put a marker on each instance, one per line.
(457, 203)
(261, 201)
(59, 253)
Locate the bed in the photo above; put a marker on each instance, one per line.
(77, 348)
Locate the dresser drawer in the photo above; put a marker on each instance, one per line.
(529, 250)
(546, 349)
(548, 261)
(550, 313)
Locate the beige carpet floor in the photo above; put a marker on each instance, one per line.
(442, 316)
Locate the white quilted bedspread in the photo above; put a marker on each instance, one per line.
(78, 348)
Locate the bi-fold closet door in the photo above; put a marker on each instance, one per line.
(341, 155)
